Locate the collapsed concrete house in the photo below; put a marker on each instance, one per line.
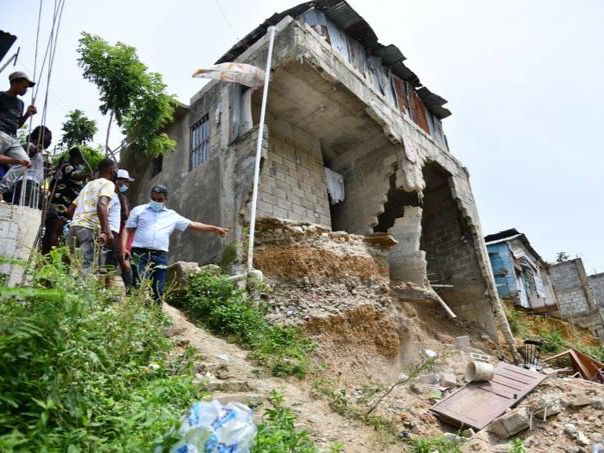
(354, 144)
(576, 296)
(520, 273)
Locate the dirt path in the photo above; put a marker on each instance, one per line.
(242, 380)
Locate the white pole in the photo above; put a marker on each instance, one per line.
(267, 74)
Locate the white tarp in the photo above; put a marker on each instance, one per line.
(241, 73)
(335, 186)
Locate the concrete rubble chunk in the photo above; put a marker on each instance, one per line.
(448, 380)
(582, 439)
(510, 423)
(179, 273)
(430, 379)
(463, 341)
(570, 429)
(580, 401)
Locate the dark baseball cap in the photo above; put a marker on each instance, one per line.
(17, 75)
(160, 189)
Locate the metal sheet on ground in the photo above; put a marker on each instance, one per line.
(477, 404)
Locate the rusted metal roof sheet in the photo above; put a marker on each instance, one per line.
(478, 403)
(350, 22)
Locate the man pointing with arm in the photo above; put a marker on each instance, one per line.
(151, 224)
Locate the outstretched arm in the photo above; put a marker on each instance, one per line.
(205, 228)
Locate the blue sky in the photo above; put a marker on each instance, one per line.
(523, 80)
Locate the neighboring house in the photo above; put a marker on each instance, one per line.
(520, 273)
(354, 142)
(596, 282)
(576, 297)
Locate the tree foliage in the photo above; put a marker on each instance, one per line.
(136, 97)
(77, 129)
(561, 257)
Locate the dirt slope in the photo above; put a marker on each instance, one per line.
(242, 379)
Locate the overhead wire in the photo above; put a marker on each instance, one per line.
(226, 19)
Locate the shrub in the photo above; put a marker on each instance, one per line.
(553, 342)
(218, 304)
(80, 372)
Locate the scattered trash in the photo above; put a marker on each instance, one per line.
(435, 394)
(430, 353)
(224, 357)
(479, 371)
(210, 427)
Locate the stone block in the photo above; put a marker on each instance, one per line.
(510, 424)
(462, 342)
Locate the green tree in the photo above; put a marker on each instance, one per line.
(134, 96)
(561, 257)
(77, 129)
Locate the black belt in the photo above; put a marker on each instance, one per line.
(140, 251)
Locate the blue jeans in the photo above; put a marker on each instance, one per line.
(152, 265)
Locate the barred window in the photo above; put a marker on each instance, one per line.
(200, 142)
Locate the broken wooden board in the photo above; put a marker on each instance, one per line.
(477, 404)
(587, 367)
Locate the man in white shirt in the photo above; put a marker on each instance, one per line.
(115, 217)
(151, 224)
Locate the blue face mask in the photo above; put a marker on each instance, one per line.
(156, 205)
(123, 188)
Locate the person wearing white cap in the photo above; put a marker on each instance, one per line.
(12, 118)
(119, 210)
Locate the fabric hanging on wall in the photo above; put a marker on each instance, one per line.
(335, 186)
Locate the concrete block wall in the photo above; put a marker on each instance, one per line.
(596, 281)
(570, 286)
(407, 261)
(19, 227)
(450, 251)
(292, 180)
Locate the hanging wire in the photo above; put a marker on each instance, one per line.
(226, 19)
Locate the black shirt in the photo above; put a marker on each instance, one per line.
(11, 113)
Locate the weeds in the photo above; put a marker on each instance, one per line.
(553, 342)
(277, 432)
(517, 446)
(517, 322)
(218, 304)
(75, 368)
(432, 444)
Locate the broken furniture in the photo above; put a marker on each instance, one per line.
(587, 367)
(477, 404)
(530, 353)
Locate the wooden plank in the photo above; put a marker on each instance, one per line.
(478, 403)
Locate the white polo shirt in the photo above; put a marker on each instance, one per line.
(114, 214)
(153, 229)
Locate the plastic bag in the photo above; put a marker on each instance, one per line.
(210, 427)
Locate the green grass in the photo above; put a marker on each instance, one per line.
(79, 372)
(219, 305)
(553, 342)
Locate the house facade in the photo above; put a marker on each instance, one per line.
(354, 142)
(520, 273)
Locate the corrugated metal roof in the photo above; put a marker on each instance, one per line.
(349, 21)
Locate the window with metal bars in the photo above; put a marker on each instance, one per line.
(200, 142)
